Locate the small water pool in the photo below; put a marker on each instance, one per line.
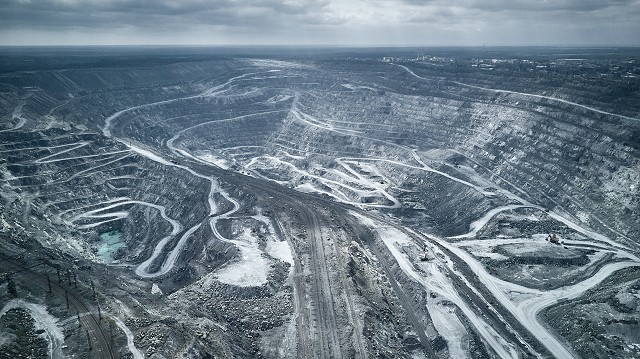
(110, 242)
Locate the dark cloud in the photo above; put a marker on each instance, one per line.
(52, 13)
(439, 22)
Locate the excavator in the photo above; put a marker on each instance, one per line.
(423, 256)
(553, 238)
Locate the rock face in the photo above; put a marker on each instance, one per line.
(18, 325)
(323, 204)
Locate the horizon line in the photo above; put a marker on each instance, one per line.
(370, 46)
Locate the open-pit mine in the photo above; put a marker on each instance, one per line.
(319, 203)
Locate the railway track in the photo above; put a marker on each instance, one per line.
(100, 341)
(318, 262)
(325, 342)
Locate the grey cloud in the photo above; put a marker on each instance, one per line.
(52, 13)
(556, 5)
(525, 5)
(318, 21)
(592, 13)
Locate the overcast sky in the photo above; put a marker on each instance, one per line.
(321, 22)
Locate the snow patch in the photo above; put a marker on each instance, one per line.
(220, 162)
(43, 320)
(137, 354)
(280, 250)
(449, 327)
(583, 217)
(155, 289)
(357, 87)
(252, 269)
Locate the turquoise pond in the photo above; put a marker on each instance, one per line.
(110, 242)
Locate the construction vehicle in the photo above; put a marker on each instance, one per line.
(423, 256)
(553, 238)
